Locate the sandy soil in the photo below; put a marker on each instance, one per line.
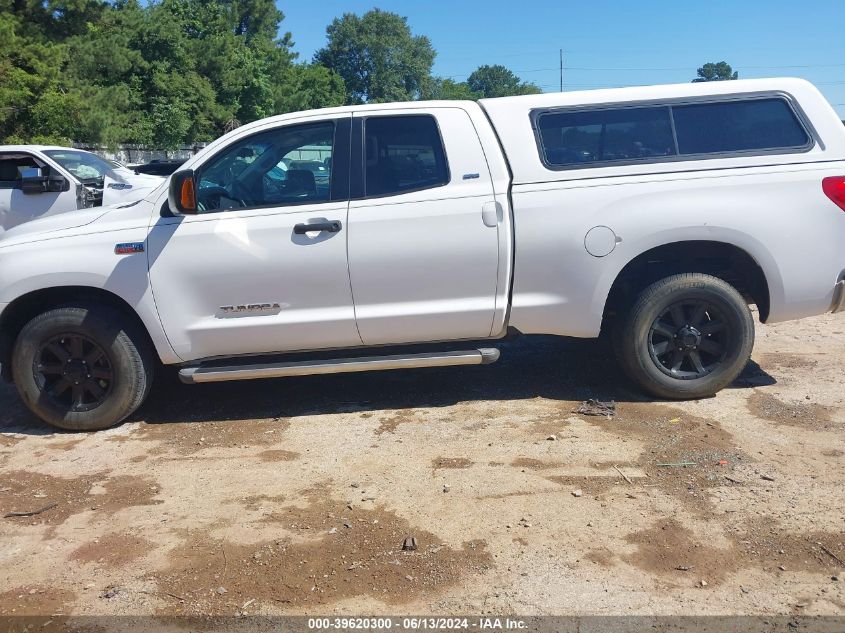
(296, 496)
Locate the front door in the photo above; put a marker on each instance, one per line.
(422, 261)
(246, 275)
(17, 207)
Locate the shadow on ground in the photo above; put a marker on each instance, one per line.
(541, 366)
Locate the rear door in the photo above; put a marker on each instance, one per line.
(423, 230)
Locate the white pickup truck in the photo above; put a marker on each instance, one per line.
(37, 181)
(387, 236)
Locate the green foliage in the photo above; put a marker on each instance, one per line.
(484, 82)
(29, 67)
(378, 57)
(498, 81)
(164, 73)
(56, 115)
(170, 72)
(720, 71)
(447, 89)
(307, 87)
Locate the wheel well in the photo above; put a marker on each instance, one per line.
(26, 307)
(725, 261)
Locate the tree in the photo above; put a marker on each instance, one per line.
(720, 71)
(55, 117)
(30, 68)
(448, 89)
(378, 57)
(256, 18)
(498, 81)
(164, 73)
(307, 87)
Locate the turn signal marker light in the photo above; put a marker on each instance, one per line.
(188, 195)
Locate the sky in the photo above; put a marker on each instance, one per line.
(608, 43)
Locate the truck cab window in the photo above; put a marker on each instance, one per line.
(403, 153)
(284, 166)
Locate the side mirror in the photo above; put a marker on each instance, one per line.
(182, 195)
(32, 182)
(57, 184)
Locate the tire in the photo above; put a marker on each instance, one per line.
(90, 350)
(686, 336)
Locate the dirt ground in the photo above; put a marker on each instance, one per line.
(296, 496)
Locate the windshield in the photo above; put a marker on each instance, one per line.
(84, 165)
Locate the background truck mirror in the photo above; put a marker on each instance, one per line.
(33, 182)
(55, 183)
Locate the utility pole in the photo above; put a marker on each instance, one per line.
(561, 70)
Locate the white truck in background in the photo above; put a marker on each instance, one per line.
(655, 213)
(37, 181)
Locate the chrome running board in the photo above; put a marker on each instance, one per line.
(200, 373)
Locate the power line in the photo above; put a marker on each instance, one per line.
(644, 69)
(740, 66)
(568, 51)
(640, 85)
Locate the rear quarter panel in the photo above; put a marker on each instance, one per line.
(778, 215)
(772, 206)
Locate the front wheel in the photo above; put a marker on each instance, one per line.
(686, 336)
(82, 368)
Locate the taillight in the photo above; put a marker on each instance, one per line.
(834, 188)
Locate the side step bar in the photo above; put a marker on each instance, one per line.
(200, 373)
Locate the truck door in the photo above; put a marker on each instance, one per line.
(246, 275)
(423, 237)
(17, 207)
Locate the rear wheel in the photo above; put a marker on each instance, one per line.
(686, 336)
(82, 368)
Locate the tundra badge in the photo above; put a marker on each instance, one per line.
(251, 307)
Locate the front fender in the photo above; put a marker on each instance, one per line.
(86, 261)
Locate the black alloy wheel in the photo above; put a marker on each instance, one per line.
(74, 372)
(689, 339)
(685, 336)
